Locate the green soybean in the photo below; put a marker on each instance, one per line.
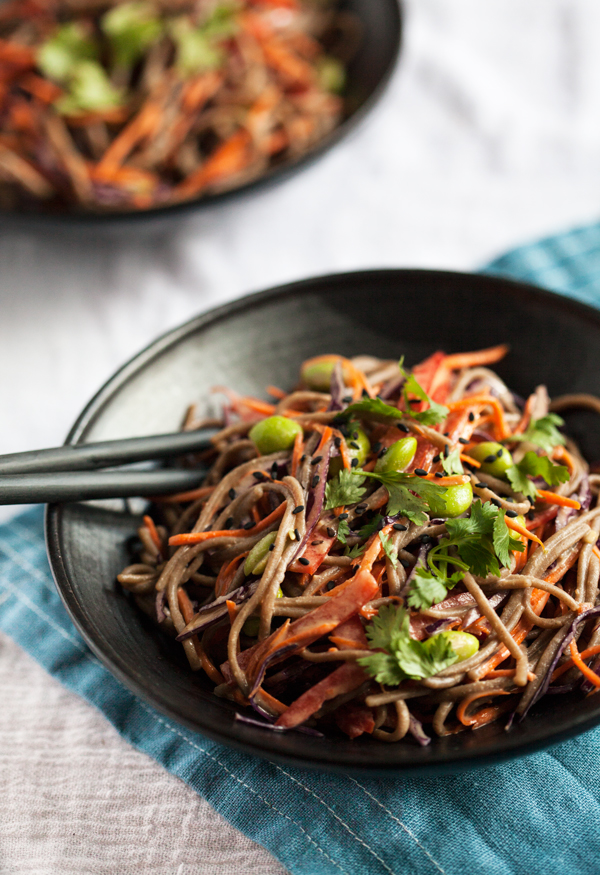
(274, 434)
(495, 459)
(317, 375)
(256, 560)
(456, 500)
(358, 448)
(399, 455)
(464, 644)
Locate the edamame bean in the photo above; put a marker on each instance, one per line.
(274, 434)
(316, 374)
(456, 500)
(495, 459)
(256, 560)
(398, 456)
(358, 448)
(464, 644)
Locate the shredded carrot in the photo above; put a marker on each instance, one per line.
(553, 498)
(156, 539)
(488, 356)
(180, 497)
(257, 405)
(275, 392)
(356, 378)
(231, 610)
(563, 455)
(585, 654)
(469, 460)
(327, 433)
(229, 158)
(226, 574)
(297, 452)
(451, 480)
(475, 719)
(185, 606)
(583, 668)
(346, 461)
(199, 537)
(502, 429)
(596, 552)
(521, 530)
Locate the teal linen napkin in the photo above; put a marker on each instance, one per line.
(537, 814)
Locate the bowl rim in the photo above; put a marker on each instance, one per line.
(271, 177)
(450, 761)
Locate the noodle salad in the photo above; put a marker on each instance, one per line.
(120, 106)
(383, 551)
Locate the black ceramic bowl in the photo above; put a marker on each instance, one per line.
(263, 339)
(367, 75)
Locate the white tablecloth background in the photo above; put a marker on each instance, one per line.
(488, 136)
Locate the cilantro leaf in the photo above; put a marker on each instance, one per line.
(543, 432)
(367, 530)
(434, 414)
(426, 589)
(388, 547)
(478, 554)
(504, 543)
(532, 465)
(402, 498)
(373, 408)
(403, 656)
(356, 551)
(344, 489)
(343, 531)
(480, 521)
(452, 464)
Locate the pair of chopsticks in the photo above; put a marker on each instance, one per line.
(71, 473)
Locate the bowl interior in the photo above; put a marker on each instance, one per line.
(366, 76)
(262, 340)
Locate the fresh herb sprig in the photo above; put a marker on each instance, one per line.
(543, 433)
(532, 465)
(409, 495)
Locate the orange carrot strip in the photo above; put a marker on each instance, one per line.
(521, 530)
(227, 159)
(275, 392)
(156, 539)
(583, 668)
(356, 378)
(231, 610)
(225, 575)
(584, 654)
(185, 606)
(553, 498)
(596, 551)
(475, 359)
(484, 401)
(346, 461)
(192, 495)
(297, 452)
(326, 436)
(258, 406)
(451, 480)
(474, 719)
(469, 460)
(199, 537)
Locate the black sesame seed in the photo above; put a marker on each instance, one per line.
(436, 459)
(500, 453)
(304, 561)
(231, 493)
(481, 486)
(446, 451)
(463, 441)
(426, 539)
(360, 509)
(495, 501)
(382, 452)
(438, 474)
(400, 527)
(259, 476)
(314, 481)
(249, 525)
(274, 470)
(343, 516)
(298, 509)
(446, 433)
(297, 534)
(489, 459)
(402, 427)
(530, 515)
(420, 472)
(316, 460)
(303, 458)
(330, 532)
(354, 463)
(315, 543)
(354, 445)
(511, 513)
(405, 563)
(376, 446)
(338, 442)
(228, 522)
(355, 435)
(347, 399)
(353, 569)
(271, 547)
(365, 394)
(471, 417)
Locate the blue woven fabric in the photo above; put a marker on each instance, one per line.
(506, 816)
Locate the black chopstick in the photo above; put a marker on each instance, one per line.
(89, 457)
(77, 486)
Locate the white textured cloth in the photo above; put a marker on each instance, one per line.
(488, 136)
